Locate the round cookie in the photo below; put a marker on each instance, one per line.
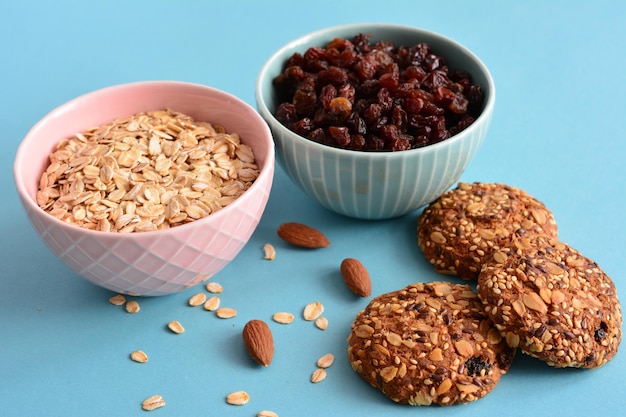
(552, 302)
(460, 229)
(429, 343)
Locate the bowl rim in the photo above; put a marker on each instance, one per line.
(20, 158)
(304, 41)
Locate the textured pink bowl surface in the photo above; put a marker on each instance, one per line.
(148, 263)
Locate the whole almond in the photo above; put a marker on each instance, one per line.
(356, 277)
(301, 235)
(259, 342)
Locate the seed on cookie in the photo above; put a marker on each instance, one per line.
(467, 225)
(436, 335)
(553, 303)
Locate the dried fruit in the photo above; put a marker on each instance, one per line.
(356, 277)
(266, 413)
(302, 235)
(259, 342)
(152, 403)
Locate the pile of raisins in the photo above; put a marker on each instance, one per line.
(354, 94)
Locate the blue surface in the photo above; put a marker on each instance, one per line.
(558, 132)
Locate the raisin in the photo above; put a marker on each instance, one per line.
(340, 106)
(340, 135)
(383, 97)
(600, 332)
(475, 364)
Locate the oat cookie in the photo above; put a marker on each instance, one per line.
(460, 229)
(429, 343)
(552, 302)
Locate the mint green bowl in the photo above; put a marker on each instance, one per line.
(375, 185)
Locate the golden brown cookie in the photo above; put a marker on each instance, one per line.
(552, 302)
(429, 343)
(460, 229)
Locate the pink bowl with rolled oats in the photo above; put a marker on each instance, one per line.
(147, 188)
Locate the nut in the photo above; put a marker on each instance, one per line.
(356, 277)
(259, 342)
(302, 235)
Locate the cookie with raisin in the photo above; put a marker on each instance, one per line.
(428, 343)
(552, 303)
(463, 227)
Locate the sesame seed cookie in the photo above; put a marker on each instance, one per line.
(552, 302)
(429, 343)
(460, 229)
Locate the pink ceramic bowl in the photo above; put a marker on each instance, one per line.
(159, 262)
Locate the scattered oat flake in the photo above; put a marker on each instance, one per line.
(212, 303)
(132, 307)
(318, 375)
(326, 360)
(313, 310)
(117, 300)
(176, 327)
(152, 403)
(214, 287)
(238, 398)
(283, 317)
(226, 313)
(266, 413)
(197, 299)
(269, 251)
(139, 356)
(321, 323)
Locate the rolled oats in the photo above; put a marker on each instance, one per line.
(132, 307)
(214, 287)
(313, 310)
(145, 172)
(152, 403)
(197, 299)
(117, 300)
(226, 313)
(238, 398)
(176, 327)
(283, 317)
(318, 375)
(139, 356)
(212, 303)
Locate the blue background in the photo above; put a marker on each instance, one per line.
(558, 132)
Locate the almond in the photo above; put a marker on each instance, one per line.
(356, 277)
(259, 342)
(302, 235)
